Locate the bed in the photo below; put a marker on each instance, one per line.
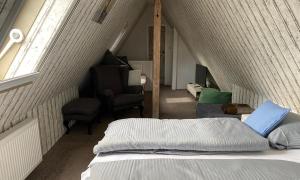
(208, 148)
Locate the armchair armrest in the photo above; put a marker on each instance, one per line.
(134, 89)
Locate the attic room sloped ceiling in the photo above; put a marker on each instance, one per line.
(78, 44)
(251, 47)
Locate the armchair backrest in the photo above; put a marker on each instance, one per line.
(107, 77)
(114, 78)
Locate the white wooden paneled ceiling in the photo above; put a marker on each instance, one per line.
(253, 44)
(79, 44)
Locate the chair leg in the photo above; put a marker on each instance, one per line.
(66, 124)
(141, 111)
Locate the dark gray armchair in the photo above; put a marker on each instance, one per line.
(111, 87)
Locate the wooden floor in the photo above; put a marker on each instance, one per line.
(72, 153)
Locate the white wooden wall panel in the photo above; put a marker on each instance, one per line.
(242, 95)
(252, 44)
(50, 117)
(78, 44)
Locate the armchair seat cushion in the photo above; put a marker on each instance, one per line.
(134, 90)
(82, 106)
(126, 99)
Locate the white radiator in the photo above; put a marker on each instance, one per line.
(20, 150)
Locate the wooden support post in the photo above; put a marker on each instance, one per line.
(156, 58)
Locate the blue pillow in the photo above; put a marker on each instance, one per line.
(266, 117)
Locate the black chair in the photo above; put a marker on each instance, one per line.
(111, 87)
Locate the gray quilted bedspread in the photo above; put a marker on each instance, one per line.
(192, 135)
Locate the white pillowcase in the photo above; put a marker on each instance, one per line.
(134, 78)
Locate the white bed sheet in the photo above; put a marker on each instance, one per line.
(285, 155)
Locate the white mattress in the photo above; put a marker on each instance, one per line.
(286, 155)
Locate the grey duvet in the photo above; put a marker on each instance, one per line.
(175, 169)
(178, 136)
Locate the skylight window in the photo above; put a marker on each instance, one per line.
(39, 20)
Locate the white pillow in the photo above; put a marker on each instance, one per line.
(134, 78)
